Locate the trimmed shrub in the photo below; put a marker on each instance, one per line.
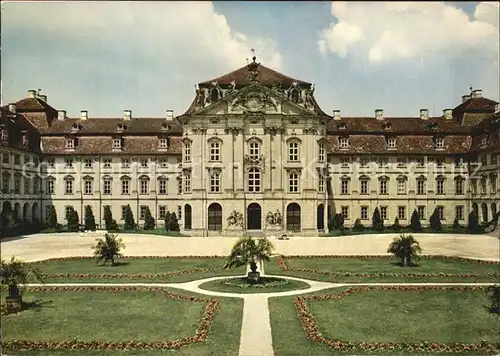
(396, 226)
(52, 218)
(456, 225)
(174, 223)
(336, 222)
(89, 220)
(149, 221)
(415, 224)
(473, 223)
(435, 221)
(358, 226)
(129, 219)
(73, 221)
(377, 222)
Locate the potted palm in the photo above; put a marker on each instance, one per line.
(248, 251)
(405, 248)
(13, 274)
(107, 249)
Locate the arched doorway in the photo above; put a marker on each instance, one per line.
(320, 218)
(493, 209)
(6, 214)
(215, 217)
(16, 214)
(293, 217)
(475, 208)
(26, 211)
(187, 217)
(254, 217)
(35, 215)
(484, 209)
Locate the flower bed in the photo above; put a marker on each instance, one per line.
(370, 257)
(265, 282)
(200, 335)
(73, 258)
(312, 331)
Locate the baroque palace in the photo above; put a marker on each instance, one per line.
(254, 153)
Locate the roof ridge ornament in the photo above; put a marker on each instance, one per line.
(253, 71)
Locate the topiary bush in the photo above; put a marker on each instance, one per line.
(473, 223)
(129, 219)
(358, 226)
(52, 218)
(435, 221)
(336, 222)
(415, 225)
(73, 221)
(149, 221)
(89, 220)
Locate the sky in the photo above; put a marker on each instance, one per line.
(106, 57)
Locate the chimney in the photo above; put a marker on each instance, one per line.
(84, 115)
(447, 114)
(379, 114)
(465, 98)
(127, 114)
(336, 114)
(31, 93)
(12, 108)
(478, 93)
(424, 114)
(61, 115)
(170, 115)
(43, 98)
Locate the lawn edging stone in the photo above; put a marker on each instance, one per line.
(202, 330)
(311, 329)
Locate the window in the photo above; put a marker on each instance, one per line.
(493, 159)
(254, 150)
(402, 162)
(144, 163)
(383, 186)
(124, 212)
(68, 210)
(17, 160)
(5, 183)
(143, 209)
(254, 180)
(401, 212)
(421, 186)
(36, 185)
(483, 185)
(493, 183)
(162, 185)
(214, 151)
(107, 163)
(48, 210)
(187, 182)
(70, 143)
(391, 142)
(162, 211)
(440, 186)
(163, 163)
(187, 152)
(421, 212)
(364, 186)
(345, 212)
(440, 162)
(420, 161)
(50, 186)
(5, 158)
(383, 212)
(68, 162)
(459, 162)
(125, 163)
(484, 160)
(179, 212)
(179, 185)
(117, 143)
(440, 210)
(401, 186)
(87, 163)
(474, 186)
(27, 159)
(321, 151)
(163, 143)
(51, 163)
(459, 186)
(459, 212)
(383, 162)
(293, 182)
(364, 213)
(17, 184)
(293, 151)
(27, 185)
(344, 162)
(215, 182)
(144, 186)
(106, 189)
(439, 142)
(87, 187)
(344, 186)
(69, 187)
(344, 142)
(321, 183)
(125, 187)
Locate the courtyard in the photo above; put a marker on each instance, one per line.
(329, 296)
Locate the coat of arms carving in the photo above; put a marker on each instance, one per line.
(254, 102)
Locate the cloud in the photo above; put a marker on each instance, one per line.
(152, 46)
(390, 31)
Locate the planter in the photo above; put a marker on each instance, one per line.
(13, 304)
(233, 231)
(253, 276)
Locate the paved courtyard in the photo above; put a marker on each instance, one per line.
(43, 246)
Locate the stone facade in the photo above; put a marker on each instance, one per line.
(254, 154)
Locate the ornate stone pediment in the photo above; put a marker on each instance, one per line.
(254, 101)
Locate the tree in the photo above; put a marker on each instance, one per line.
(494, 295)
(249, 251)
(129, 219)
(52, 218)
(456, 225)
(13, 274)
(396, 226)
(336, 222)
(149, 221)
(358, 226)
(473, 223)
(73, 220)
(89, 220)
(415, 224)
(167, 221)
(174, 223)
(377, 222)
(435, 221)
(107, 249)
(405, 248)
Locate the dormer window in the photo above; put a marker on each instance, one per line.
(391, 142)
(117, 143)
(295, 95)
(70, 143)
(3, 134)
(25, 140)
(163, 143)
(344, 142)
(120, 127)
(484, 140)
(386, 126)
(433, 126)
(214, 95)
(165, 127)
(75, 127)
(439, 142)
(341, 126)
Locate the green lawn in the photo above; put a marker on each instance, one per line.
(447, 229)
(157, 231)
(112, 317)
(335, 267)
(239, 285)
(135, 266)
(384, 316)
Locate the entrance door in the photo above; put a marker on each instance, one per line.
(320, 220)
(254, 217)
(293, 217)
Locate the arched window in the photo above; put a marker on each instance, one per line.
(144, 184)
(293, 217)
(293, 151)
(440, 186)
(215, 182)
(254, 180)
(402, 184)
(459, 185)
(295, 95)
(187, 217)
(214, 95)
(187, 151)
(421, 188)
(320, 217)
(214, 217)
(364, 184)
(214, 151)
